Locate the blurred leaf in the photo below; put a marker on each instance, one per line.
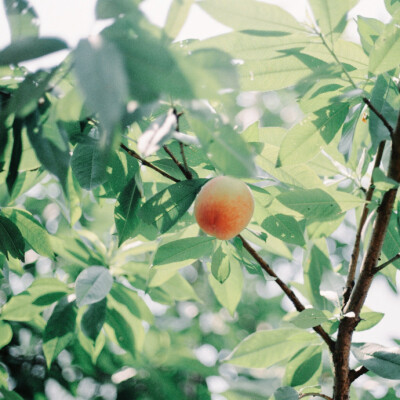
(391, 243)
(286, 393)
(393, 6)
(126, 212)
(177, 15)
(225, 148)
(20, 308)
(369, 29)
(229, 293)
(305, 139)
(32, 231)
(182, 252)
(303, 366)
(220, 265)
(46, 291)
(284, 227)
(92, 285)
(59, 331)
(88, 164)
(93, 319)
(384, 55)
(22, 19)
(52, 157)
(115, 8)
(15, 155)
(166, 207)
(309, 318)
(251, 15)
(6, 334)
(331, 15)
(180, 289)
(157, 133)
(383, 361)
(29, 48)
(265, 348)
(11, 240)
(8, 395)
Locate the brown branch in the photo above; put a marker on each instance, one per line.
(360, 291)
(146, 163)
(385, 264)
(289, 292)
(356, 249)
(379, 115)
(182, 146)
(185, 172)
(323, 396)
(356, 373)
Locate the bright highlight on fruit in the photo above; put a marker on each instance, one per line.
(224, 207)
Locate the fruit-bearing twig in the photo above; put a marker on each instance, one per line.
(146, 163)
(289, 292)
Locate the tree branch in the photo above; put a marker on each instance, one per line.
(356, 373)
(379, 115)
(184, 171)
(289, 292)
(182, 146)
(356, 249)
(360, 291)
(323, 396)
(385, 264)
(146, 163)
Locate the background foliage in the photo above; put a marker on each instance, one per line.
(108, 288)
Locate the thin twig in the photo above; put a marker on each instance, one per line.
(146, 163)
(323, 396)
(289, 292)
(379, 115)
(356, 373)
(182, 146)
(385, 264)
(185, 172)
(356, 249)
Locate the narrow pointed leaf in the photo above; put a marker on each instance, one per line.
(11, 239)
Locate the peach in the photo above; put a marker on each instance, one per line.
(224, 207)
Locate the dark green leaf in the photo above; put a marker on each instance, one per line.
(182, 252)
(11, 239)
(29, 48)
(22, 19)
(89, 165)
(383, 361)
(15, 155)
(93, 319)
(92, 285)
(8, 395)
(166, 207)
(60, 330)
(115, 8)
(126, 211)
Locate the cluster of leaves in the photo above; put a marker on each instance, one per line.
(102, 156)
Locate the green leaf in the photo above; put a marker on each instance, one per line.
(368, 319)
(303, 366)
(383, 361)
(30, 48)
(93, 319)
(6, 334)
(393, 6)
(305, 139)
(312, 203)
(126, 212)
(8, 395)
(166, 207)
(391, 243)
(229, 293)
(46, 291)
(88, 164)
(101, 74)
(20, 308)
(331, 15)
(369, 29)
(11, 239)
(286, 393)
(309, 318)
(177, 14)
(225, 148)
(220, 264)
(115, 8)
(15, 155)
(284, 227)
(251, 15)
(265, 348)
(384, 55)
(59, 331)
(179, 289)
(32, 231)
(182, 252)
(22, 19)
(53, 156)
(92, 285)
